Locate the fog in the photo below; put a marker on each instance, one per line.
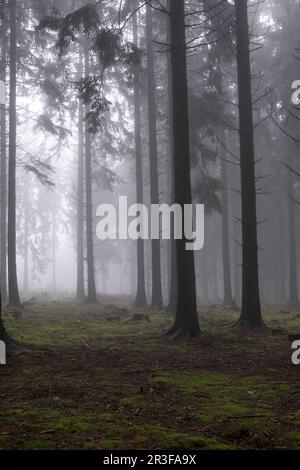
(48, 150)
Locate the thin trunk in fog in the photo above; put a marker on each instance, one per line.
(14, 298)
(172, 246)
(148, 268)
(215, 277)
(54, 223)
(279, 246)
(80, 198)
(3, 156)
(26, 237)
(121, 269)
(133, 270)
(228, 300)
(293, 267)
(103, 268)
(91, 285)
(140, 299)
(251, 307)
(236, 246)
(54, 250)
(237, 273)
(186, 320)
(157, 301)
(205, 276)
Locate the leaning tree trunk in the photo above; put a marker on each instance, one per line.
(140, 299)
(91, 294)
(186, 319)
(3, 156)
(157, 301)
(14, 298)
(228, 299)
(251, 307)
(80, 199)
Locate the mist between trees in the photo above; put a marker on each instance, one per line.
(166, 103)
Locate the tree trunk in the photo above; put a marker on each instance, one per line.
(216, 257)
(26, 235)
(172, 248)
(140, 299)
(205, 277)
(80, 200)
(12, 348)
(54, 247)
(3, 156)
(279, 245)
(237, 272)
(3, 333)
(3, 284)
(228, 300)
(293, 268)
(157, 301)
(186, 319)
(14, 298)
(91, 294)
(251, 307)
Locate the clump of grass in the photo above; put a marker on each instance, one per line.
(170, 439)
(294, 439)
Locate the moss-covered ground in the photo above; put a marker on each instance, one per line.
(104, 377)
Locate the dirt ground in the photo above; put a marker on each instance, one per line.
(104, 377)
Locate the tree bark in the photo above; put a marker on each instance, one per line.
(172, 248)
(26, 236)
(11, 347)
(251, 307)
(157, 301)
(80, 291)
(3, 154)
(53, 236)
(3, 333)
(186, 318)
(236, 245)
(228, 299)
(14, 298)
(293, 267)
(140, 299)
(91, 287)
(279, 245)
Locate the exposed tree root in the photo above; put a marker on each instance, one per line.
(140, 303)
(12, 348)
(246, 323)
(179, 332)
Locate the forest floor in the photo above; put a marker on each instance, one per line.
(103, 377)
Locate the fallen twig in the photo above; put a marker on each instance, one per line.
(246, 417)
(95, 349)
